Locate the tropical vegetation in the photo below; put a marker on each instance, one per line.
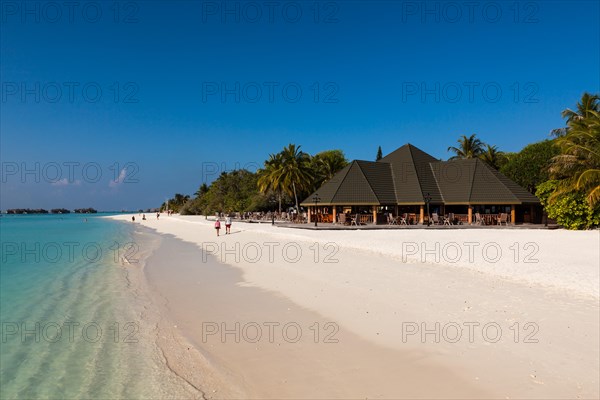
(563, 171)
(286, 178)
(473, 147)
(174, 204)
(529, 167)
(572, 197)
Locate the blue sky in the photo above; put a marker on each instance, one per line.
(117, 105)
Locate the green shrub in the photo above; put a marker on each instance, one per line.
(570, 210)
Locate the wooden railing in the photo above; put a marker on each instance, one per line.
(365, 219)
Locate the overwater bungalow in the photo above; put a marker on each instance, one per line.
(400, 187)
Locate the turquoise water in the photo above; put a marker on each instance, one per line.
(69, 325)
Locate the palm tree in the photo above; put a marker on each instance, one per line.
(202, 190)
(492, 156)
(578, 165)
(268, 177)
(294, 172)
(588, 104)
(178, 199)
(326, 164)
(469, 147)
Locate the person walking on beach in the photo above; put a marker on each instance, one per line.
(217, 226)
(157, 215)
(133, 218)
(227, 225)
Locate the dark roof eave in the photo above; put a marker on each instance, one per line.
(342, 204)
(447, 203)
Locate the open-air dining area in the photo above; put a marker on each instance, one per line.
(357, 216)
(409, 187)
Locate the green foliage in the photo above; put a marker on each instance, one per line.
(296, 174)
(175, 203)
(325, 165)
(202, 190)
(570, 210)
(286, 176)
(269, 181)
(492, 156)
(573, 197)
(529, 167)
(468, 147)
(379, 154)
(235, 191)
(578, 165)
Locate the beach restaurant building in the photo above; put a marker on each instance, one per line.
(400, 186)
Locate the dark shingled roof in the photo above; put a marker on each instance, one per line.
(472, 181)
(359, 183)
(407, 174)
(412, 175)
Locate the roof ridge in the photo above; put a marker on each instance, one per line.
(415, 166)
(435, 179)
(368, 183)
(472, 181)
(342, 180)
(391, 167)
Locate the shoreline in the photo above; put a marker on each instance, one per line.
(567, 323)
(177, 354)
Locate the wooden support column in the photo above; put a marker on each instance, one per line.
(374, 215)
(470, 215)
(421, 214)
(334, 211)
(513, 214)
(309, 213)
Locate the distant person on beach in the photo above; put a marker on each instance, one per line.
(144, 217)
(227, 225)
(218, 226)
(157, 215)
(133, 218)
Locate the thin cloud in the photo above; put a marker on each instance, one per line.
(120, 179)
(65, 182)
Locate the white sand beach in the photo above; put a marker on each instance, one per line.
(402, 313)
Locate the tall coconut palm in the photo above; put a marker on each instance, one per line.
(468, 147)
(202, 190)
(180, 199)
(492, 156)
(589, 104)
(295, 173)
(268, 177)
(578, 165)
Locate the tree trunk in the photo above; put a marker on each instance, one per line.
(296, 197)
(279, 195)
